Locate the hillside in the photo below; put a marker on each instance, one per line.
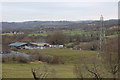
(56, 25)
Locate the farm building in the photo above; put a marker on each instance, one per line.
(21, 45)
(41, 45)
(56, 46)
(18, 45)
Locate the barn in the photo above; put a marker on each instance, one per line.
(18, 45)
(23, 45)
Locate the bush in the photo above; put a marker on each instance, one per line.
(15, 58)
(56, 60)
(33, 57)
(22, 59)
(49, 59)
(46, 58)
(41, 57)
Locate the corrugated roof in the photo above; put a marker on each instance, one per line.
(17, 44)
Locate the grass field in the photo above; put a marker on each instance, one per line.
(75, 32)
(18, 70)
(12, 70)
(66, 55)
(24, 70)
(38, 34)
(71, 56)
(62, 70)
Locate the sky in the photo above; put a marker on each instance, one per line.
(59, 10)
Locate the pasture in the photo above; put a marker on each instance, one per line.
(76, 32)
(67, 56)
(24, 70)
(20, 70)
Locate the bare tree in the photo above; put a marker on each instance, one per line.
(78, 71)
(110, 57)
(43, 73)
(38, 74)
(53, 72)
(92, 69)
(57, 38)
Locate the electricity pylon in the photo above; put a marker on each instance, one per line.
(102, 40)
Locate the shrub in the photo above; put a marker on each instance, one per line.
(15, 58)
(22, 59)
(49, 59)
(56, 60)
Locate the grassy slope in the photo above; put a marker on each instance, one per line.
(62, 70)
(66, 55)
(24, 70)
(70, 56)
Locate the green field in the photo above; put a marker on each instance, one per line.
(66, 55)
(75, 32)
(62, 70)
(24, 70)
(38, 34)
(71, 56)
(12, 70)
(19, 70)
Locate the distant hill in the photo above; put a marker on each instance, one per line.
(56, 24)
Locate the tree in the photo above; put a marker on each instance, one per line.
(44, 72)
(110, 57)
(92, 69)
(38, 74)
(57, 38)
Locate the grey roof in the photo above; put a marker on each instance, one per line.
(17, 44)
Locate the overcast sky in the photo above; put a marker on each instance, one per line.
(42, 11)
